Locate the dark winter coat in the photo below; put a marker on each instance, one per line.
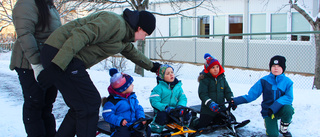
(26, 49)
(118, 108)
(94, 38)
(213, 89)
(277, 91)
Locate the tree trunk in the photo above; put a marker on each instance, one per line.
(139, 70)
(316, 82)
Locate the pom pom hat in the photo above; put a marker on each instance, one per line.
(162, 70)
(278, 60)
(210, 62)
(119, 81)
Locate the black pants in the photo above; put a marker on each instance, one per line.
(37, 107)
(80, 95)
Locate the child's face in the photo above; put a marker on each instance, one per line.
(276, 70)
(128, 90)
(169, 75)
(215, 70)
(140, 34)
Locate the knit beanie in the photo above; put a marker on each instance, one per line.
(210, 62)
(147, 21)
(278, 60)
(119, 81)
(162, 70)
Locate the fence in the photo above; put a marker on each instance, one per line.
(247, 51)
(5, 47)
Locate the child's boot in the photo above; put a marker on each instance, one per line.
(284, 129)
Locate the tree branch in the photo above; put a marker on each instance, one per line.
(303, 13)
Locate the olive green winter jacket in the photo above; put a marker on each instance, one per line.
(26, 49)
(213, 89)
(94, 38)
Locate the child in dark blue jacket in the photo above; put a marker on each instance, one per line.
(121, 108)
(277, 95)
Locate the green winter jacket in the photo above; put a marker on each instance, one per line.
(94, 38)
(162, 96)
(213, 89)
(26, 49)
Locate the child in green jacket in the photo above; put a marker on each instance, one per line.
(167, 95)
(213, 90)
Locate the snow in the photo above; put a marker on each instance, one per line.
(305, 121)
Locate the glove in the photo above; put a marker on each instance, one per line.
(181, 110)
(37, 68)
(214, 107)
(270, 114)
(168, 109)
(233, 106)
(155, 67)
(48, 76)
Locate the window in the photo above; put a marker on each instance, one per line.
(299, 23)
(278, 24)
(204, 26)
(258, 25)
(219, 23)
(173, 26)
(186, 26)
(235, 26)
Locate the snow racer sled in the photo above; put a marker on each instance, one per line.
(181, 127)
(228, 121)
(177, 127)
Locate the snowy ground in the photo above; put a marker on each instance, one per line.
(304, 124)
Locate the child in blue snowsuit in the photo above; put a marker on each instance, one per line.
(121, 108)
(277, 95)
(166, 96)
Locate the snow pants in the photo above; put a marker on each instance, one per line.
(37, 107)
(80, 95)
(285, 114)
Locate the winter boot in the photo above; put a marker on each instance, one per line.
(284, 129)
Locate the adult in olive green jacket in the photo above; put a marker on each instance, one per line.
(34, 21)
(82, 43)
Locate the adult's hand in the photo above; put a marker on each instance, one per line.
(37, 68)
(155, 67)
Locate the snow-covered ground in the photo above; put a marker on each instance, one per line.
(305, 123)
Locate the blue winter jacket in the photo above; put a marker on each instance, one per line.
(277, 91)
(118, 108)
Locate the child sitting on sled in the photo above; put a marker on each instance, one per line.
(121, 108)
(277, 91)
(165, 97)
(213, 90)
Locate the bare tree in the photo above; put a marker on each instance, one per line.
(316, 27)
(6, 7)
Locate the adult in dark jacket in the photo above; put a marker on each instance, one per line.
(82, 43)
(213, 90)
(34, 21)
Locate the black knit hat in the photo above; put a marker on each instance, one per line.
(147, 21)
(278, 60)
